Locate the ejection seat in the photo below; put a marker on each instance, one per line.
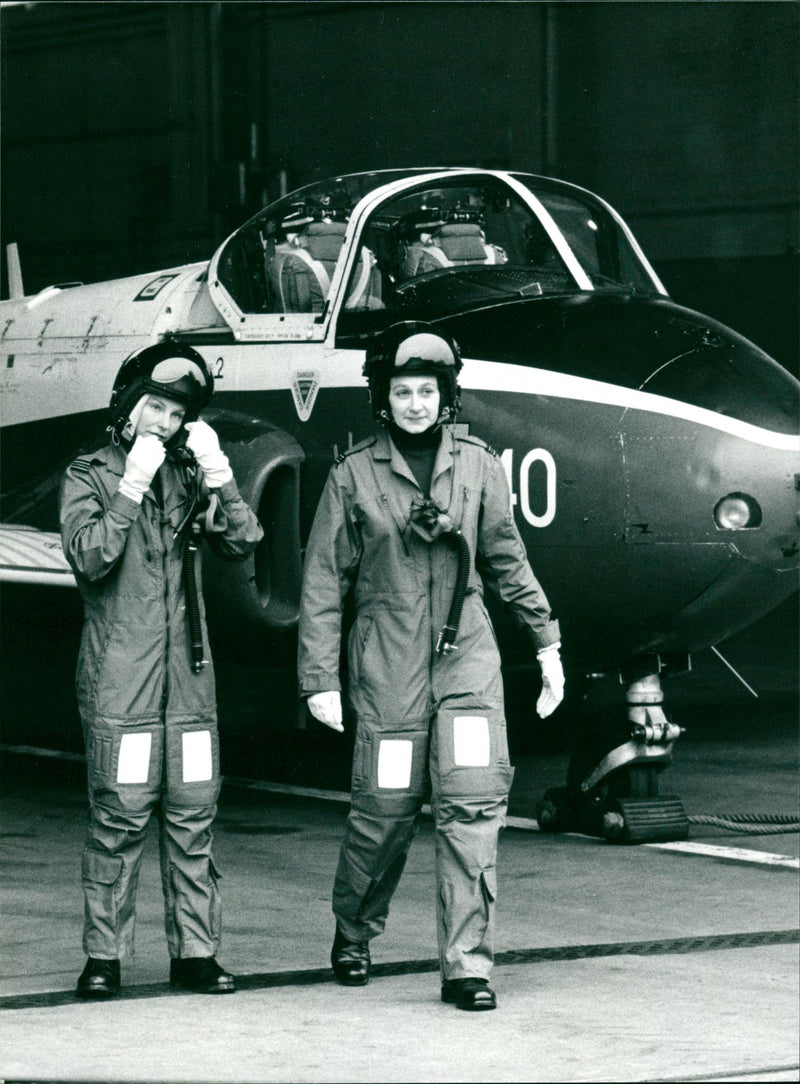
(301, 270)
(455, 243)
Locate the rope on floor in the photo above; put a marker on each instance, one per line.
(754, 824)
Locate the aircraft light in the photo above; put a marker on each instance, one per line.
(737, 512)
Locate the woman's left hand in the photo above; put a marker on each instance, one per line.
(552, 681)
(203, 443)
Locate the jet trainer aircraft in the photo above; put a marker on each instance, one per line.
(651, 452)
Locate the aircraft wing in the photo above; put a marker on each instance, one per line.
(28, 555)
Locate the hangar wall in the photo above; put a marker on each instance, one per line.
(136, 136)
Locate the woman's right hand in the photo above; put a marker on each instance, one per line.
(327, 709)
(143, 460)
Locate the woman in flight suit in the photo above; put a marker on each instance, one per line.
(391, 526)
(145, 693)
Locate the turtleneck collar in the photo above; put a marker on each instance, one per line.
(419, 451)
(414, 442)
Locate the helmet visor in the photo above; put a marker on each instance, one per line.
(423, 349)
(171, 370)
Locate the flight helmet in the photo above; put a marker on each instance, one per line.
(413, 348)
(173, 370)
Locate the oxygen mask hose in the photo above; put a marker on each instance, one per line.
(430, 523)
(446, 642)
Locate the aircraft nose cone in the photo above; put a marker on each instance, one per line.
(716, 369)
(711, 481)
(739, 464)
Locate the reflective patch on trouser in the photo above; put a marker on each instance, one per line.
(133, 763)
(124, 764)
(389, 768)
(469, 753)
(471, 746)
(394, 763)
(193, 778)
(197, 764)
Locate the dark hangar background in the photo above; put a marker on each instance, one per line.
(137, 136)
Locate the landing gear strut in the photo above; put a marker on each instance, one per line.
(612, 777)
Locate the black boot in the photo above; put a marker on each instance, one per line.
(473, 995)
(99, 979)
(350, 960)
(202, 974)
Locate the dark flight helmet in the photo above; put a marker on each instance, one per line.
(413, 348)
(173, 370)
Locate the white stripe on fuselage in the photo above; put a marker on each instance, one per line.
(501, 376)
(340, 369)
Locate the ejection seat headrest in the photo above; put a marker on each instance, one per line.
(461, 241)
(323, 240)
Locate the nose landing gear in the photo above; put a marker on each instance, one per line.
(612, 777)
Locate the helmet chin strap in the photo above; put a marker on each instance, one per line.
(447, 415)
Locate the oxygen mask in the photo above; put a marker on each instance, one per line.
(428, 520)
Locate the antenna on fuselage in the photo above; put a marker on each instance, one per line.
(15, 288)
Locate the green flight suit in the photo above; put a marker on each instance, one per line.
(419, 713)
(149, 722)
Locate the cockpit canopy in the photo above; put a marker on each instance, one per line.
(455, 240)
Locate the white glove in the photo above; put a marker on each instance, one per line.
(203, 443)
(327, 708)
(552, 680)
(144, 459)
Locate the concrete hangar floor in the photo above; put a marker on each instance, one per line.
(652, 962)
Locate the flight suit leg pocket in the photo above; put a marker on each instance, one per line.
(215, 904)
(101, 874)
(489, 884)
(99, 749)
